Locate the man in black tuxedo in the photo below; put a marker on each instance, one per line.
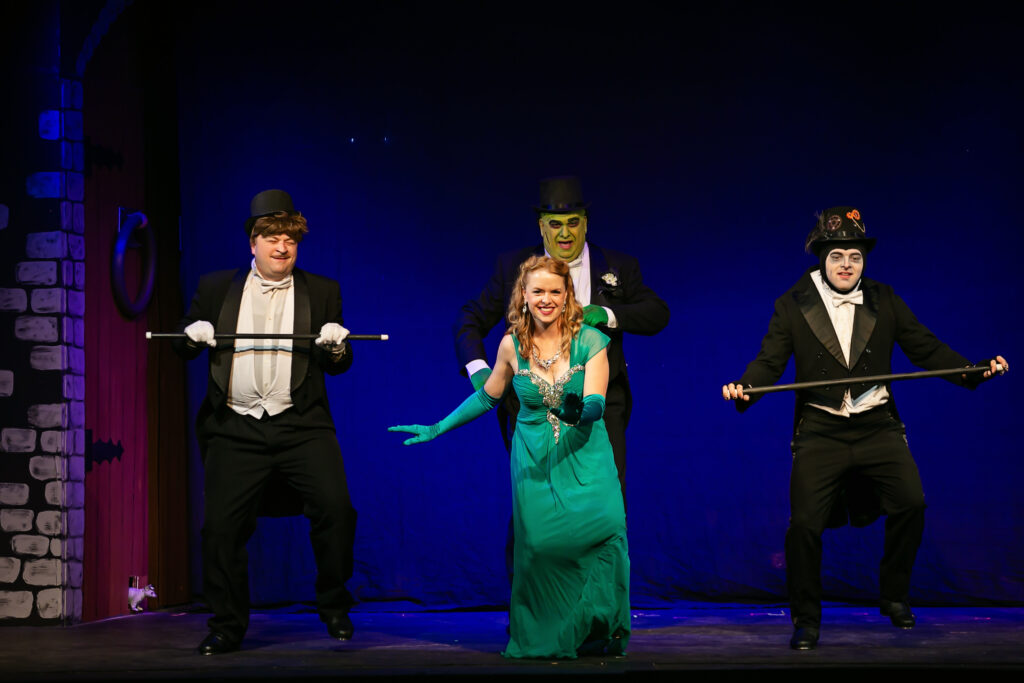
(608, 284)
(850, 453)
(265, 420)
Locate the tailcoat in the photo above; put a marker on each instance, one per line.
(285, 464)
(801, 328)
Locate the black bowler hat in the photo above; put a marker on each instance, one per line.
(840, 227)
(267, 203)
(561, 194)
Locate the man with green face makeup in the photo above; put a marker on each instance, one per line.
(607, 283)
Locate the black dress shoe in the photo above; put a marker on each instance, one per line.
(899, 614)
(216, 644)
(804, 638)
(340, 627)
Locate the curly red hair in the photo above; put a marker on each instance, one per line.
(522, 324)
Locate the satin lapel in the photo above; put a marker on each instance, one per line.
(864, 321)
(301, 325)
(813, 310)
(227, 321)
(598, 267)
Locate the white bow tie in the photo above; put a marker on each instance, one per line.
(271, 285)
(851, 298)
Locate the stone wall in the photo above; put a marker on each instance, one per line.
(42, 302)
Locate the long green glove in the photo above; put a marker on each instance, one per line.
(479, 378)
(575, 411)
(594, 315)
(473, 407)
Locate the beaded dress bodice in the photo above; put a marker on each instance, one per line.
(537, 395)
(550, 394)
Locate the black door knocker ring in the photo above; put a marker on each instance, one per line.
(133, 225)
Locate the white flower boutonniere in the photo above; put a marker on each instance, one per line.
(610, 286)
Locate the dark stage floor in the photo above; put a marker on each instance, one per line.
(716, 642)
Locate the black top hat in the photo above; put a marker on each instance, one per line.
(840, 227)
(561, 194)
(267, 203)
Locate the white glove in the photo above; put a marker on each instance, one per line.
(331, 334)
(201, 332)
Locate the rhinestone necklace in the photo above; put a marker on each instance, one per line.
(546, 363)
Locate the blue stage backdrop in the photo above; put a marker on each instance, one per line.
(412, 136)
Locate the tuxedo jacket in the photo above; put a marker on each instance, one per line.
(217, 300)
(616, 283)
(800, 327)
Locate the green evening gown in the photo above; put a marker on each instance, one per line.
(570, 587)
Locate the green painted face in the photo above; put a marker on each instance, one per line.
(564, 234)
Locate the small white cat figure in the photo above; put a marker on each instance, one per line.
(137, 595)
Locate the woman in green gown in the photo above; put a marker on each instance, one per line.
(570, 588)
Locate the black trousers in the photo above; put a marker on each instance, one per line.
(243, 455)
(826, 449)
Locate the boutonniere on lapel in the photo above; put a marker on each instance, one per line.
(610, 285)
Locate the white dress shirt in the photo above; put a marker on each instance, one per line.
(841, 310)
(261, 369)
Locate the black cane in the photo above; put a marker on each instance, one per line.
(874, 379)
(262, 335)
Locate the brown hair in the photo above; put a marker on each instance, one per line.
(522, 325)
(280, 223)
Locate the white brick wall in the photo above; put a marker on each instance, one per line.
(48, 357)
(51, 441)
(46, 572)
(48, 415)
(13, 300)
(50, 522)
(47, 245)
(15, 519)
(17, 440)
(25, 544)
(10, 569)
(49, 603)
(36, 273)
(49, 300)
(13, 494)
(44, 467)
(36, 328)
(15, 604)
(42, 516)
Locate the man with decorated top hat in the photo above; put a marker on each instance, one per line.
(264, 428)
(851, 459)
(608, 284)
